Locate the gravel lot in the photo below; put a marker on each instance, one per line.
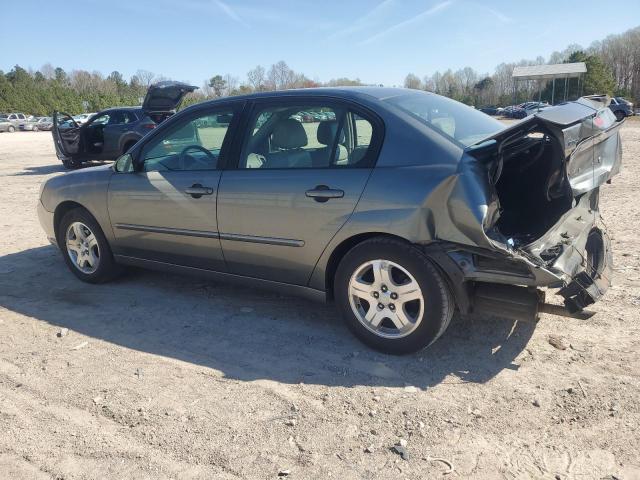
(157, 376)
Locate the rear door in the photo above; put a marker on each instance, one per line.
(120, 122)
(294, 186)
(66, 136)
(165, 209)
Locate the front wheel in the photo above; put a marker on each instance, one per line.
(619, 116)
(85, 248)
(35, 129)
(392, 297)
(11, 129)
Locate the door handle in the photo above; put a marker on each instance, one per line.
(196, 190)
(322, 193)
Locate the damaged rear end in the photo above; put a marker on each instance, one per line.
(543, 222)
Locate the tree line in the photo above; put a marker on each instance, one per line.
(613, 67)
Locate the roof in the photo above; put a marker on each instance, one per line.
(354, 93)
(558, 70)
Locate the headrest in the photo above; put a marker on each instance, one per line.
(327, 132)
(289, 134)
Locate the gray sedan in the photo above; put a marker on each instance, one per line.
(401, 206)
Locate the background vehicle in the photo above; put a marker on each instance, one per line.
(37, 123)
(621, 107)
(489, 110)
(110, 133)
(404, 208)
(6, 125)
(16, 119)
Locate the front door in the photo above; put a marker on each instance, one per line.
(165, 210)
(66, 136)
(301, 172)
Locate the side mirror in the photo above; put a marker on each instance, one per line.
(124, 164)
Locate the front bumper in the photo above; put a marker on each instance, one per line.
(46, 222)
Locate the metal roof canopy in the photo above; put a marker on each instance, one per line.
(549, 72)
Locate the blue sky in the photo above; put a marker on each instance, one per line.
(378, 41)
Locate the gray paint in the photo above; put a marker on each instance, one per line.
(424, 189)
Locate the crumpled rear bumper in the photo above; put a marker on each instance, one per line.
(590, 284)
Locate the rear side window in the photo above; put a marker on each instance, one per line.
(307, 136)
(458, 122)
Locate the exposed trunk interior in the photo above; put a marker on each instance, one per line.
(159, 117)
(532, 186)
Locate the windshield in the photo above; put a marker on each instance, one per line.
(456, 121)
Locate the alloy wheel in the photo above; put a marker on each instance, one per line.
(82, 248)
(386, 299)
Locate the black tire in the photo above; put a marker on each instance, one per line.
(71, 163)
(35, 129)
(438, 301)
(11, 129)
(619, 115)
(107, 268)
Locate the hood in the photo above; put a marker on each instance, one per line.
(164, 96)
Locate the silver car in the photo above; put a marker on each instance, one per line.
(401, 206)
(36, 124)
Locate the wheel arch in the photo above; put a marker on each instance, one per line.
(341, 250)
(433, 251)
(128, 141)
(62, 209)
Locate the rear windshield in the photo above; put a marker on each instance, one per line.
(456, 121)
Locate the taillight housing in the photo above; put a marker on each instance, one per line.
(150, 126)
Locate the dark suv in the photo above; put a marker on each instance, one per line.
(111, 132)
(621, 107)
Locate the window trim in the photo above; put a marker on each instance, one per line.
(263, 103)
(176, 121)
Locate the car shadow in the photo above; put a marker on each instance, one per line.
(244, 333)
(57, 168)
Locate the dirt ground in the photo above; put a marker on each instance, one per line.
(158, 376)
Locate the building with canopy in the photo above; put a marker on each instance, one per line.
(545, 73)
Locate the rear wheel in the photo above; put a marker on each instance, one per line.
(619, 115)
(85, 248)
(11, 129)
(35, 129)
(392, 297)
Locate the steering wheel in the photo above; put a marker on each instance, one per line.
(181, 158)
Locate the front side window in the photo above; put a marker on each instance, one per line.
(458, 122)
(306, 136)
(193, 144)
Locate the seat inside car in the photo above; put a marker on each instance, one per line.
(287, 139)
(326, 135)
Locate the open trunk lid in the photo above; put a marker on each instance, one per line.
(588, 132)
(166, 96)
(584, 151)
